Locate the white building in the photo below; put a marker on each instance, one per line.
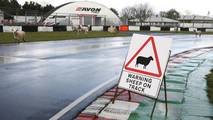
(27, 19)
(82, 13)
(191, 22)
(157, 22)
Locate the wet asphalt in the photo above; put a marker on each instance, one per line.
(39, 79)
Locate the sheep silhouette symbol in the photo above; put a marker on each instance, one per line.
(144, 61)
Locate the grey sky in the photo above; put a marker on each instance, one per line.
(198, 7)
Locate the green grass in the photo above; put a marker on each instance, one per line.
(209, 79)
(52, 36)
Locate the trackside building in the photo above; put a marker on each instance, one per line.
(82, 13)
(192, 22)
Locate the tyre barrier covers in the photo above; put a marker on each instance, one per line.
(97, 28)
(134, 28)
(11, 28)
(165, 29)
(30, 28)
(45, 29)
(124, 28)
(201, 29)
(184, 29)
(144, 28)
(59, 28)
(106, 28)
(1, 28)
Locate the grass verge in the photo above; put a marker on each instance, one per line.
(209, 79)
(53, 36)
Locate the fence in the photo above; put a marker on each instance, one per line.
(36, 28)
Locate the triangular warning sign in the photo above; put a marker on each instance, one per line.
(149, 64)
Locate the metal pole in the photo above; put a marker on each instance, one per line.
(129, 93)
(153, 109)
(115, 95)
(164, 78)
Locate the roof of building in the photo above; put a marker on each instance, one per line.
(157, 19)
(195, 17)
(160, 19)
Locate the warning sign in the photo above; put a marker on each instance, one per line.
(145, 64)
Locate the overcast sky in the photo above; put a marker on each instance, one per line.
(198, 7)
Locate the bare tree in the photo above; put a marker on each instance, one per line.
(143, 11)
(140, 12)
(127, 14)
(163, 14)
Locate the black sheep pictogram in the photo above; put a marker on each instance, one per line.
(144, 61)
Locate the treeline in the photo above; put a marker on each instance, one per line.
(12, 7)
(141, 12)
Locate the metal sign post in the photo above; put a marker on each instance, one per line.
(164, 81)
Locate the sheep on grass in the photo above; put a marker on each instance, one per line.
(81, 28)
(19, 35)
(112, 29)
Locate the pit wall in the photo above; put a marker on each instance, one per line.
(34, 28)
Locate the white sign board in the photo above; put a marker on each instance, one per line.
(145, 64)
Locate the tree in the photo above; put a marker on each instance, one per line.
(15, 7)
(163, 14)
(172, 14)
(47, 8)
(4, 3)
(142, 12)
(114, 11)
(127, 14)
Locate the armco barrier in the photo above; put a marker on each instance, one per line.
(1, 28)
(45, 29)
(134, 28)
(11, 28)
(97, 28)
(30, 28)
(59, 28)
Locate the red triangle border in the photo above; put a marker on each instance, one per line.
(156, 58)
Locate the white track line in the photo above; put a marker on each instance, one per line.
(80, 99)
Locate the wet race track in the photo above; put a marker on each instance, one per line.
(39, 79)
